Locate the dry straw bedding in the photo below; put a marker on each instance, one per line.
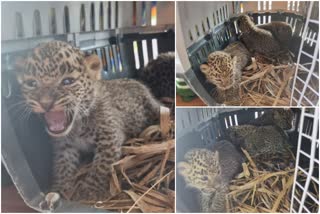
(143, 179)
(269, 82)
(265, 83)
(264, 187)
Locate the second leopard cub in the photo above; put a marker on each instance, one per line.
(224, 69)
(257, 39)
(83, 114)
(259, 140)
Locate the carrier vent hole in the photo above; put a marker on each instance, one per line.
(155, 48)
(37, 23)
(101, 17)
(19, 25)
(66, 20)
(136, 54)
(82, 18)
(92, 18)
(53, 21)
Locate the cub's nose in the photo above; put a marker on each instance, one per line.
(46, 100)
(46, 104)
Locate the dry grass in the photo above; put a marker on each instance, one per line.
(263, 186)
(265, 83)
(143, 180)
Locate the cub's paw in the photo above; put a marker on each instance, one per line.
(51, 201)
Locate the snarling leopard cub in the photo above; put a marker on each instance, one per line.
(83, 113)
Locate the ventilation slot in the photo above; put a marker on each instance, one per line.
(119, 59)
(289, 5)
(208, 23)
(236, 120)
(109, 15)
(66, 20)
(230, 119)
(36, 23)
(145, 52)
(136, 55)
(197, 30)
(190, 35)
(82, 18)
(143, 14)
(104, 59)
(117, 14)
(112, 59)
(92, 16)
(155, 48)
(214, 19)
(19, 25)
(203, 28)
(256, 115)
(53, 21)
(134, 13)
(101, 17)
(226, 122)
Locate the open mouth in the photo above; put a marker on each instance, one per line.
(58, 122)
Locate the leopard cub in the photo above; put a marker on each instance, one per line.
(283, 118)
(210, 171)
(83, 114)
(281, 31)
(259, 140)
(224, 69)
(257, 39)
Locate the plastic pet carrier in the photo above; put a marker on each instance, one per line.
(125, 35)
(200, 128)
(204, 27)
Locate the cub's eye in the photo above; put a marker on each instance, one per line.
(68, 81)
(31, 83)
(204, 178)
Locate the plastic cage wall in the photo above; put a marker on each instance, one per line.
(125, 35)
(203, 27)
(200, 127)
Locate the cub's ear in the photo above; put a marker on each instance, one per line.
(204, 68)
(183, 168)
(94, 66)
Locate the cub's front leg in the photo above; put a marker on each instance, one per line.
(95, 184)
(66, 161)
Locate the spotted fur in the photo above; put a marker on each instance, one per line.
(210, 171)
(159, 75)
(283, 118)
(257, 39)
(56, 76)
(281, 31)
(224, 69)
(259, 140)
(200, 169)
